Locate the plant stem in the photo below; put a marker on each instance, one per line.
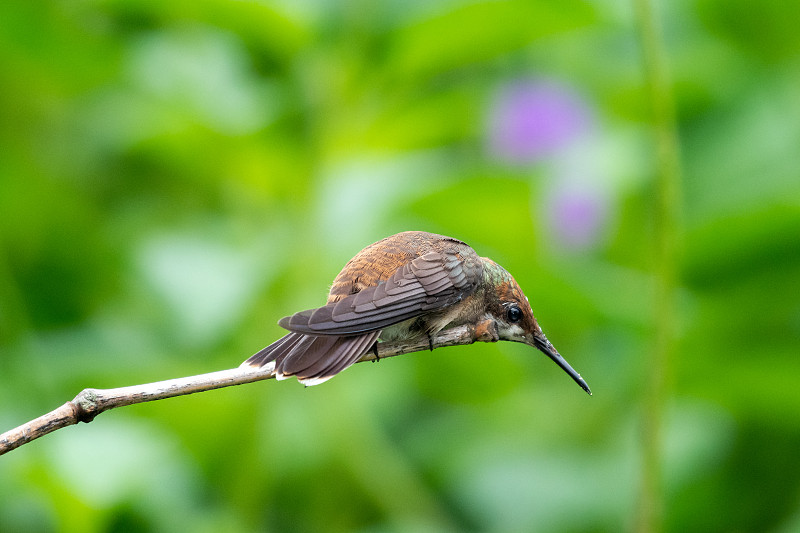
(666, 209)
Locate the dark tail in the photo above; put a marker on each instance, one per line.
(313, 359)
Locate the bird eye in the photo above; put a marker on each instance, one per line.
(514, 314)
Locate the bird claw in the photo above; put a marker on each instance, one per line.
(375, 351)
(486, 331)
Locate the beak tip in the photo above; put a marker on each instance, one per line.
(544, 345)
(582, 383)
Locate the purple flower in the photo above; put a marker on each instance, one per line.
(578, 216)
(532, 119)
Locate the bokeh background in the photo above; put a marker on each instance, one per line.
(177, 176)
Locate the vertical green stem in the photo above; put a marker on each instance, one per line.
(666, 210)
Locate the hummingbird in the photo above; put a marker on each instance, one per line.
(403, 288)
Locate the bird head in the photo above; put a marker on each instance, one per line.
(509, 308)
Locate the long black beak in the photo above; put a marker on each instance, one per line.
(544, 345)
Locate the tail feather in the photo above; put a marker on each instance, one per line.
(275, 351)
(313, 359)
(308, 352)
(351, 356)
(346, 352)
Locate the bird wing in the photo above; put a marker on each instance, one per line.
(428, 283)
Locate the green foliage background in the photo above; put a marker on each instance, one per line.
(176, 176)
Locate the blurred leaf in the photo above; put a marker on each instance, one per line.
(753, 242)
(764, 29)
(478, 31)
(744, 156)
(484, 210)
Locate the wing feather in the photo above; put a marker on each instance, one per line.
(429, 282)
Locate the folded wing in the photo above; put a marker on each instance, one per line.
(428, 283)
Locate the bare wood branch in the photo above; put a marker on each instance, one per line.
(91, 402)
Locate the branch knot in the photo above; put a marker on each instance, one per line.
(86, 406)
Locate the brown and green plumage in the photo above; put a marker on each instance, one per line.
(403, 287)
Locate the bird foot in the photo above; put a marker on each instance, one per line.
(375, 351)
(486, 331)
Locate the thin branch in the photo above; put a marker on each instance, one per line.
(91, 402)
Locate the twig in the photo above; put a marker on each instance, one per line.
(91, 402)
